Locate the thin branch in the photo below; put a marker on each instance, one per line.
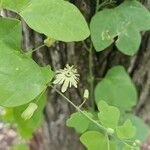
(108, 143)
(92, 120)
(78, 109)
(34, 50)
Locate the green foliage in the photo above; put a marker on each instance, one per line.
(10, 33)
(8, 115)
(27, 127)
(117, 89)
(108, 120)
(15, 5)
(21, 79)
(126, 131)
(23, 83)
(105, 114)
(79, 122)
(126, 147)
(124, 22)
(56, 19)
(142, 131)
(94, 140)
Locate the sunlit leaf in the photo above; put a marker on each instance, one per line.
(126, 131)
(105, 115)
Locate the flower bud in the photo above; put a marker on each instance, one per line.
(49, 42)
(29, 111)
(86, 94)
(110, 131)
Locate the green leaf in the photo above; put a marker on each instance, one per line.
(105, 115)
(26, 128)
(20, 147)
(143, 130)
(79, 122)
(15, 5)
(95, 141)
(10, 33)
(8, 115)
(117, 89)
(124, 22)
(126, 131)
(56, 19)
(21, 79)
(126, 147)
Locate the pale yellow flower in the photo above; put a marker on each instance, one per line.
(67, 77)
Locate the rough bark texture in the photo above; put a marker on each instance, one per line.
(55, 135)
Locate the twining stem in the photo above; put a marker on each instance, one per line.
(84, 101)
(41, 95)
(92, 120)
(97, 6)
(91, 75)
(36, 49)
(79, 110)
(108, 143)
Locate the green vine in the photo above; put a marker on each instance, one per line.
(23, 83)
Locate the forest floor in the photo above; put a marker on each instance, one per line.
(8, 137)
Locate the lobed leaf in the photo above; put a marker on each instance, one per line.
(126, 131)
(79, 122)
(124, 23)
(117, 89)
(108, 115)
(143, 130)
(94, 140)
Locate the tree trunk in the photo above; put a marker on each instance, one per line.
(55, 135)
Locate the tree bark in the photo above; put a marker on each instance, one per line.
(55, 135)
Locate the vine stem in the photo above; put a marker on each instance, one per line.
(108, 143)
(36, 49)
(78, 109)
(91, 75)
(91, 64)
(92, 120)
(97, 6)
